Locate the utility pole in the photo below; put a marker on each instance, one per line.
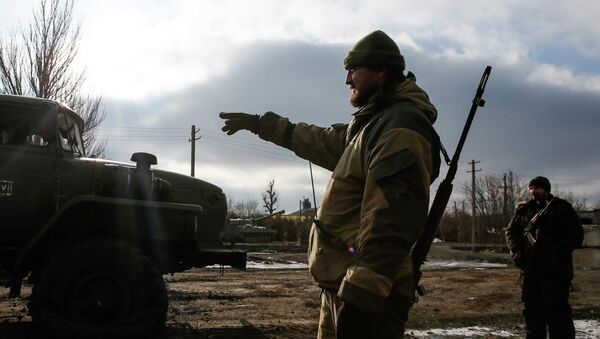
(458, 223)
(511, 192)
(473, 210)
(193, 141)
(462, 218)
(505, 200)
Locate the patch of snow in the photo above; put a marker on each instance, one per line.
(473, 331)
(444, 264)
(587, 329)
(584, 329)
(269, 265)
(428, 265)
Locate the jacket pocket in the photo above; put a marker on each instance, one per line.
(327, 264)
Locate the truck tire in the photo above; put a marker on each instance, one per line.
(99, 288)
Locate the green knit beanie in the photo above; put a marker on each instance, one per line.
(375, 49)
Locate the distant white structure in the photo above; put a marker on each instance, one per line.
(591, 227)
(591, 236)
(590, 217)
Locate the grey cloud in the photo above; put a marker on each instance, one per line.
(530, 129)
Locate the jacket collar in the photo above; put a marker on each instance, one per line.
(405, 92)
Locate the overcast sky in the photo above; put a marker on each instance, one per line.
(162, 66)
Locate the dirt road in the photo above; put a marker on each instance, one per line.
(282, 303)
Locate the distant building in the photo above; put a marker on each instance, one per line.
(591, 236)
(591, 227)
(589, 217)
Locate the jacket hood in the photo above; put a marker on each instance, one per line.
(406, 92)
(409, 92)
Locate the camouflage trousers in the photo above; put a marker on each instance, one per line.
(388, 324)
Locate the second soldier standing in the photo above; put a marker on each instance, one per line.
(542, 236)
(376, 201)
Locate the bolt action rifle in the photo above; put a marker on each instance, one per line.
(423, 244)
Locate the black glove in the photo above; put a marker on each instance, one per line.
(353, 322)
(237, 121)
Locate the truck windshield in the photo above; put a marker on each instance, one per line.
(70, 137)
(20, 125)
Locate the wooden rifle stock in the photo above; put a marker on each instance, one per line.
(442, 196)
(436, 213)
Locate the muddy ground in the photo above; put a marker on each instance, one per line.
(284, 303)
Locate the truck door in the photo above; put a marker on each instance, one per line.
(27, 163)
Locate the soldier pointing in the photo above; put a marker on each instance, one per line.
(376, 201)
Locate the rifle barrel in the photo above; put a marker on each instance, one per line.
(442, 196)
(477, 102)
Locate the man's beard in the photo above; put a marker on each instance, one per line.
(540, 197)
(360, 98)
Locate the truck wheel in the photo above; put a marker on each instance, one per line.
(99, 288)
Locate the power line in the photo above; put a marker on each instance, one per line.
(270, 148)
(216, 139)
(263, 154)
(140, 133)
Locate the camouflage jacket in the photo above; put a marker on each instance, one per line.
(557, 233)
(377, 198)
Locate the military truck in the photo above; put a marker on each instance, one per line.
(93, 236)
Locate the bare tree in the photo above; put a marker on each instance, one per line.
(270, 197)
(38, 61)
(242, 209)
(579, 202)
(11, 67)
(495, 202)
(251, 208)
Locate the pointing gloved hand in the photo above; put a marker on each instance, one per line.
(353, 322)
(237, 121)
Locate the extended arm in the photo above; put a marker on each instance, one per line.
(322, 146)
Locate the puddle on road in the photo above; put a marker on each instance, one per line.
(585, 329)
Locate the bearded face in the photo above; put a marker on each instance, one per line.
(538, 193)
(363, 83)
(359, 98)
